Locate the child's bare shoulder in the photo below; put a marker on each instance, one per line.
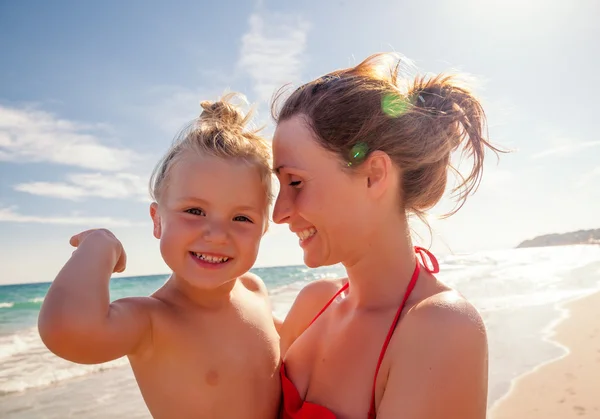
(254, 283)
(139, 306)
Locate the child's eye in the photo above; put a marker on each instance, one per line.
(295, 183)
(195, 211)
(242, 218)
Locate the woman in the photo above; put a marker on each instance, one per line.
(356, 152)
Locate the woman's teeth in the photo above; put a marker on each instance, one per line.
(211, 259)
(305, 234)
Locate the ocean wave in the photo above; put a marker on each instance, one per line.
(50, 373)
(27, 363)
(31, 303)
(36, 300)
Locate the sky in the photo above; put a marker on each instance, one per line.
(92, 94)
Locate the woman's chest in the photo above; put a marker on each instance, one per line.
(334, 363)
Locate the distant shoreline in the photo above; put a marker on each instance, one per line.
(563, 239)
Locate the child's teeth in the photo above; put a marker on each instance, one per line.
(210, 258)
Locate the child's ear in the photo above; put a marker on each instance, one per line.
(155, 220)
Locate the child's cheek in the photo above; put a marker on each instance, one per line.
(250, 234)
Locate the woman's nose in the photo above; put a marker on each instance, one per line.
(282, 209)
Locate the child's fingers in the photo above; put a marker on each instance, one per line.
(121, 263)
(78, 238)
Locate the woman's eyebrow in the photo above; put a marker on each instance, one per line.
(286, 167)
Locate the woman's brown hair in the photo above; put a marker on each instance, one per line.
(419, 123)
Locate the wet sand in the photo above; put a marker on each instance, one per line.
(568, 387)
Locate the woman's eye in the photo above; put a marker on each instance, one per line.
(195, 211)
(295, 183)
(242, 218)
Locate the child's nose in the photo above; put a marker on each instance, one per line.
(215, 233)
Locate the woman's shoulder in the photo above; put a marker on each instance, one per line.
(448, 329)
(315, 295)
(309, 301)
(447, 304)
(442, 340)
(320, 290)
(446, 315)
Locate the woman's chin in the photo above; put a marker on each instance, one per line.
(311, 264)
(311, 261)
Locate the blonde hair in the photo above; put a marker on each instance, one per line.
(418, 123)
(219, 131)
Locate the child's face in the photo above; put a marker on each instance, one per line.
(210, 219)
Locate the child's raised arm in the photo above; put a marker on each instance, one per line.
(77, 321)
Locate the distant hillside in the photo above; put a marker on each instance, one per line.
(575, 237)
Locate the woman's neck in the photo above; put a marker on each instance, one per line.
(383, 267)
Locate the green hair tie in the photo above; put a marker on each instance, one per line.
(394, 105)
(358, 153)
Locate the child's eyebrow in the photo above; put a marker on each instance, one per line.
(278, 169)
(191, 199)
(247, 208)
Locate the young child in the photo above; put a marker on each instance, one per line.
(204, 344)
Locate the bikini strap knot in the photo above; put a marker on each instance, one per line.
(426, 255)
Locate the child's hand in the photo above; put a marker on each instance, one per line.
(102, 240)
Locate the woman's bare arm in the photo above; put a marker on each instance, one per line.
(439, 369)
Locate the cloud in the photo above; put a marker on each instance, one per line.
(588, 177)
(494, 178)
(272, 51)
(83, 185)
(170, 107)
(32, 135)
(566, 147)
(271, 54)
(10, 214)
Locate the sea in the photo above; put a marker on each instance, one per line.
(519, 293)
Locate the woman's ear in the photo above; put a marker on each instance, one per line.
(377, 169)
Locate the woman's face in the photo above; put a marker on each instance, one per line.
(326, 206)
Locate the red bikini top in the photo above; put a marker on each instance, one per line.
(293, 407)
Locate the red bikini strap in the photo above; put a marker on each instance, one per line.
(344, 288)
(411, 285)
(424, 252)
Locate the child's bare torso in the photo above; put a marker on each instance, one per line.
(211, 363)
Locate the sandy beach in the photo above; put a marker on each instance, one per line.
(568, 387)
